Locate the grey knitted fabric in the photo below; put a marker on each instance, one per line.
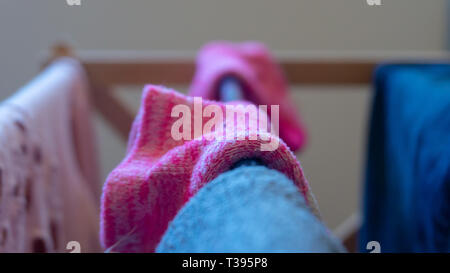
(248, 209)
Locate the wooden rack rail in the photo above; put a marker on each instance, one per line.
(109, 69)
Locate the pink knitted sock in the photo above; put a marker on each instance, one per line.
(262, 78)
(159, 174)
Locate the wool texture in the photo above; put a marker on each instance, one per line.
(160, 174)
(248, 209)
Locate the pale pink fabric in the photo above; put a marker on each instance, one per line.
(48, 197)
(159, 174)
(264, 83)
(13, 172)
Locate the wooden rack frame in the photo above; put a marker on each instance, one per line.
(107, 70)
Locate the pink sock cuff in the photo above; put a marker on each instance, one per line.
(159, 174)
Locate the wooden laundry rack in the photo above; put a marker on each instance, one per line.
(107, 70)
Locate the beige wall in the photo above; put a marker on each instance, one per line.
(336, 120)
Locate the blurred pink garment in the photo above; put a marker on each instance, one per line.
(160, 174)
(49, 185)
(13, 170)
(262, 78)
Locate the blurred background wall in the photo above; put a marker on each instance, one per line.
(336, 120)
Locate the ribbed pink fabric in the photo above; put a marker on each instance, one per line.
(159, 174)
(262, 78)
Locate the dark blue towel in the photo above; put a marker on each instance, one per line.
(407, 185)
